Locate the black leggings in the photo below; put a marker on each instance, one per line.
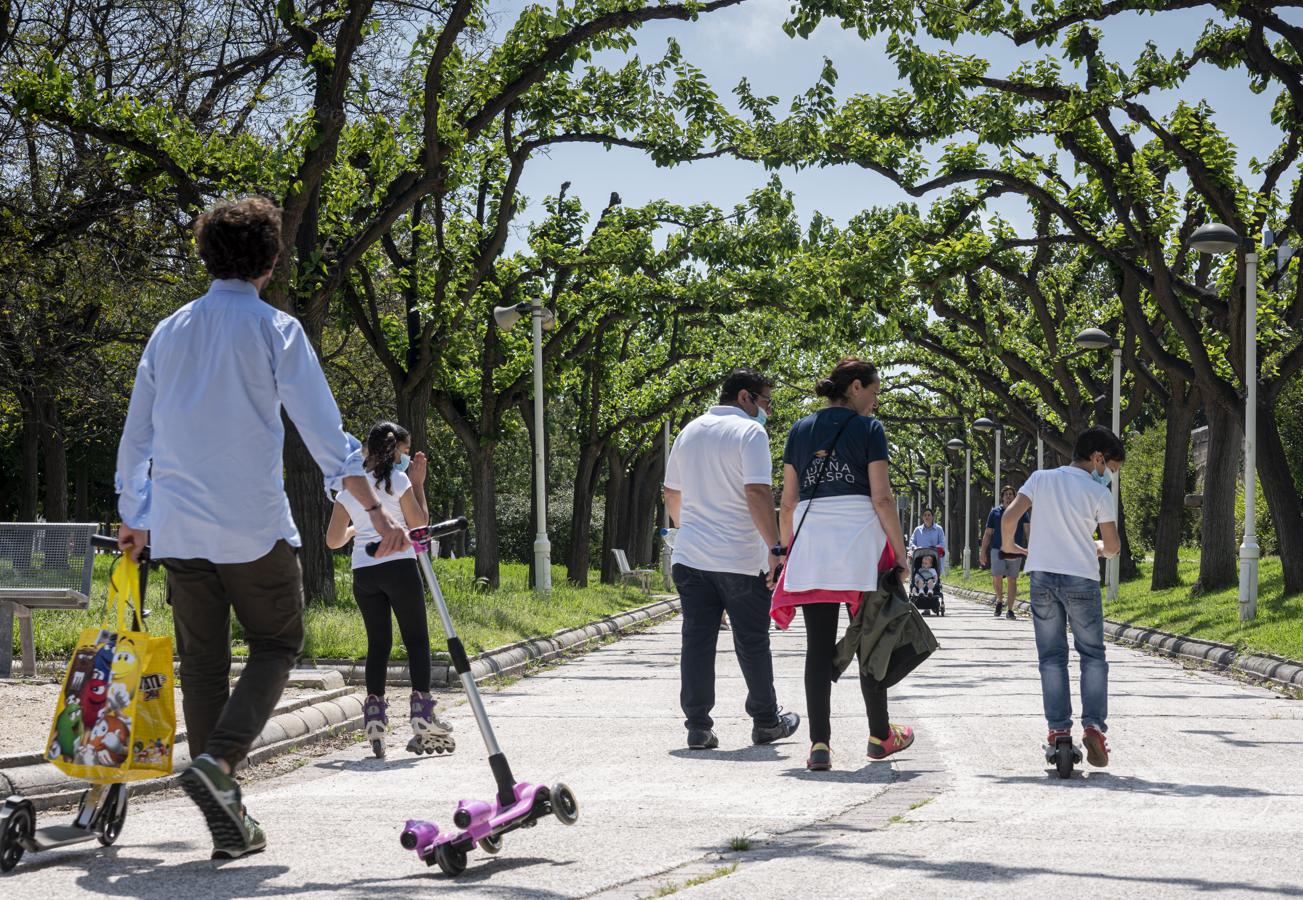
(394, 585)
(820, 645)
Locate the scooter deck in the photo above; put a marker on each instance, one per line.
(52, 836)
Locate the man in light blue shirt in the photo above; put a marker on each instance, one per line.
(200, 471)
(929, 534)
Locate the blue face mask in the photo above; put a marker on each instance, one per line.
(1102, 477)
(403, 462)
(761, 416)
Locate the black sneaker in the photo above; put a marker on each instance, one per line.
(217, 795)
(702, 739)
(786, 726)
(1009, 614)
(999, 608)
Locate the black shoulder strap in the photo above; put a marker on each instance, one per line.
(821, 457)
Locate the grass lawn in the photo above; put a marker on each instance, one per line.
(484, 619)
(1277, 629)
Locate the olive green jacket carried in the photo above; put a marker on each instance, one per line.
(887, 633)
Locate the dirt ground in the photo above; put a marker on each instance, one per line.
(27, 708)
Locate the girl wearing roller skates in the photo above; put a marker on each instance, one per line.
(392, 584)
(1071, 502)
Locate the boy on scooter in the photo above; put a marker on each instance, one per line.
(1063, 555)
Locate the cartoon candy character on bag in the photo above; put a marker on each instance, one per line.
(67, 730)
(95, 694)
(122, 671)
(106, 745)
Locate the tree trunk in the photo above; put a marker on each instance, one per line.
(31, 449)
(1180, 410)
(55, 453)
(484, 511)
(457, 543)
(413, 408)
(81, 481)
(310, 507)
(1218, 552)
(577, 559)
(644, 481)
(1282, 499)
(1126, 561)
(613, 520)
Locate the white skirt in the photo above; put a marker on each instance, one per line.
(839, 546)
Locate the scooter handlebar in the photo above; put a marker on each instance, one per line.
(110, 542)
(428, 533)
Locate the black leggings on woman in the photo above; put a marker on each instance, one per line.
(394, 585)
(820, 645)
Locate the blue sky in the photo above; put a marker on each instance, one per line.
(748, 41)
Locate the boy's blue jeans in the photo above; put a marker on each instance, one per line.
(1058, 601)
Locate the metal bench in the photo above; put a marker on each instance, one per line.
(42, 566)
(627, 574)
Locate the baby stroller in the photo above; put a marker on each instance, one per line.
(930, 599)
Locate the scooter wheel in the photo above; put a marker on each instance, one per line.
(115, 812)
(491, 845)
(451, 861)
(564, 805)
(17, 825)
(378, 748)
(1063, 759)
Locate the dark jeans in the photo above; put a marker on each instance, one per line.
(393, 586)
(267, 596)
(820, 644)
(706, 596)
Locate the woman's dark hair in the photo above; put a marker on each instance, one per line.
(1099, 440)
(740, 380)
(844, 374)
(239, 238)
(380, 446)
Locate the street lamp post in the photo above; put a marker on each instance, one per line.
(1215, 238)
(1040, 451)
(957, 444)
(984, 424)
(542, 319)
(1095, 339)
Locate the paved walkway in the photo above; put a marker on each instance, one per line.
(1205, 794)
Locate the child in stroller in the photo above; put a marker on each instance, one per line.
(924, 583)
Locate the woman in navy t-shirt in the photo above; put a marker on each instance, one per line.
(843, 451)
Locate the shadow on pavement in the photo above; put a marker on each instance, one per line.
(763, 753)
(1110, 782)
(1244, 742)
(866, 774)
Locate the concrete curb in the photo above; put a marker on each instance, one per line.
(307, 720)
(1280, 672)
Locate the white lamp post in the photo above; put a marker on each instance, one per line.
(1095, 339)
(543, 320)
(957, 444)
(1040, 451)
(1215, 238)
(984, 424)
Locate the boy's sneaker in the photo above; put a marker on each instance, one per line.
(702, 739)
(999, 608)
(820, 758)
(900, 738)
(257, 841)
(1096, 746)
(217, 795)
(1009, 615)
(786, 726)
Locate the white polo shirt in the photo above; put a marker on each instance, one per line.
(1068, 506)
(713, 459)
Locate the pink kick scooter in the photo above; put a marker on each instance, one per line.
(518, 804)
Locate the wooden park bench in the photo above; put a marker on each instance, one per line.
(42, 566)
(627, 574)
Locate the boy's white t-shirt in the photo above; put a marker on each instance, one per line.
(399, 484)
(712, 461)
(1068, 505)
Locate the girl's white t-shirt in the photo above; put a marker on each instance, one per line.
(365, 532)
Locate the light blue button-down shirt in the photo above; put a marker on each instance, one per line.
(199, 464)
(924, 536)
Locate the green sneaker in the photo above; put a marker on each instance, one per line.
(256, 841)
(218, 797)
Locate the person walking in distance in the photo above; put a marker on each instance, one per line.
(718, 492)
(1005, 564)
(391, 587)
(200, 469)
(1071, 502)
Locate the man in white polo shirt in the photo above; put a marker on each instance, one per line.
(1071, 502)
(718, 492)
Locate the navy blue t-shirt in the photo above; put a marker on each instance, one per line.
(846, 471)
(1019, 535)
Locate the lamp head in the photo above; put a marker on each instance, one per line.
(955, 444)
(1094, 339)
(984, 424)
(1215, 238)
(506, 316)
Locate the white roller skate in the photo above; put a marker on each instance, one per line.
(375, 722)
(430, 733)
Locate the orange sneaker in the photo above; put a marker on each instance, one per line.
(900, 738)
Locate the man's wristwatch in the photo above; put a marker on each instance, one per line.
(778, 550)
